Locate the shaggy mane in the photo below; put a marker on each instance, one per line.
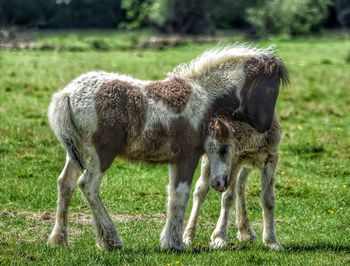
(213, 58)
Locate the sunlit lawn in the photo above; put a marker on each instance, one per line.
(313, 183)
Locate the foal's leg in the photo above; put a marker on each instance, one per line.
(106, 234)
(181, 175)
(66, 184)
(219, 236)
(245, 231)
(268, 202)
(200, 192)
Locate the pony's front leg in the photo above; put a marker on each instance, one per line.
(180, 175)
(219, 235)
(66, 184)
(200, 192)
(106, 233)
(268, 203)
(245, 230)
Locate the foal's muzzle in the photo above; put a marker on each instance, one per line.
(220, 183)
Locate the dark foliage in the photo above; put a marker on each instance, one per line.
(61, 14)
(178, 16)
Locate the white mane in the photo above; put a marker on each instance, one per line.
(214, 58)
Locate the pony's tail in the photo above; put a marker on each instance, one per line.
(62, 124)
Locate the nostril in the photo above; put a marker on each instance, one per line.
(216, 183)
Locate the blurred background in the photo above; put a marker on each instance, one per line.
(22, 21)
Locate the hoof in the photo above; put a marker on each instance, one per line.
(273, 245)
(218, 243)
(171, 244)
(110, 244)
(249, 236)
(58, 240)
(188, 241)
(188, 237)
(218, 240)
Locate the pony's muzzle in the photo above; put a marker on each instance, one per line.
(220, 183)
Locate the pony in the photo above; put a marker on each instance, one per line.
(233, 149)
(99, 116)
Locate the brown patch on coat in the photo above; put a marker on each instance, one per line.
(174, 93)
(187, 144)
(165, 143)
(157, 137)
(185, 167)
(154, 145)
(184, 137)
(121, 113)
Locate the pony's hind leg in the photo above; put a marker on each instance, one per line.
(268, 203)
(219, 235)
(66, 184)
(245, 231)
(200, 192)
(106, 234)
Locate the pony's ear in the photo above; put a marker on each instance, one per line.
(219, 129)
(258, 100)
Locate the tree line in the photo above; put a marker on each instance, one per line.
(262, 17)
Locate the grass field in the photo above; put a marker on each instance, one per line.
(313, 182)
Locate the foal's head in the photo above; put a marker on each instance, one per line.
(221, 151)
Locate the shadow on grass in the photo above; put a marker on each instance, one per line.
(196, 250)
(297, 248)
(317, 247)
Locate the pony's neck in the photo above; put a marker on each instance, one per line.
(223, 78)
(226, 77)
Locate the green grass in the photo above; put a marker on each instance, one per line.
(80, 40)
(313, 183)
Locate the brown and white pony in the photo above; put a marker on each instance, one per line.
(99, 116)
(233, 149)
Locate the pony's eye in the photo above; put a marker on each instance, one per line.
(223, 150)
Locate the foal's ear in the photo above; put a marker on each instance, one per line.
(258, 101)
(219, 129)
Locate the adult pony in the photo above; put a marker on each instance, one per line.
(99, 116)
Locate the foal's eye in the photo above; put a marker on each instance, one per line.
(223, 150)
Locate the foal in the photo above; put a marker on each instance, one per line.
(234, 149)
(99, 116)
